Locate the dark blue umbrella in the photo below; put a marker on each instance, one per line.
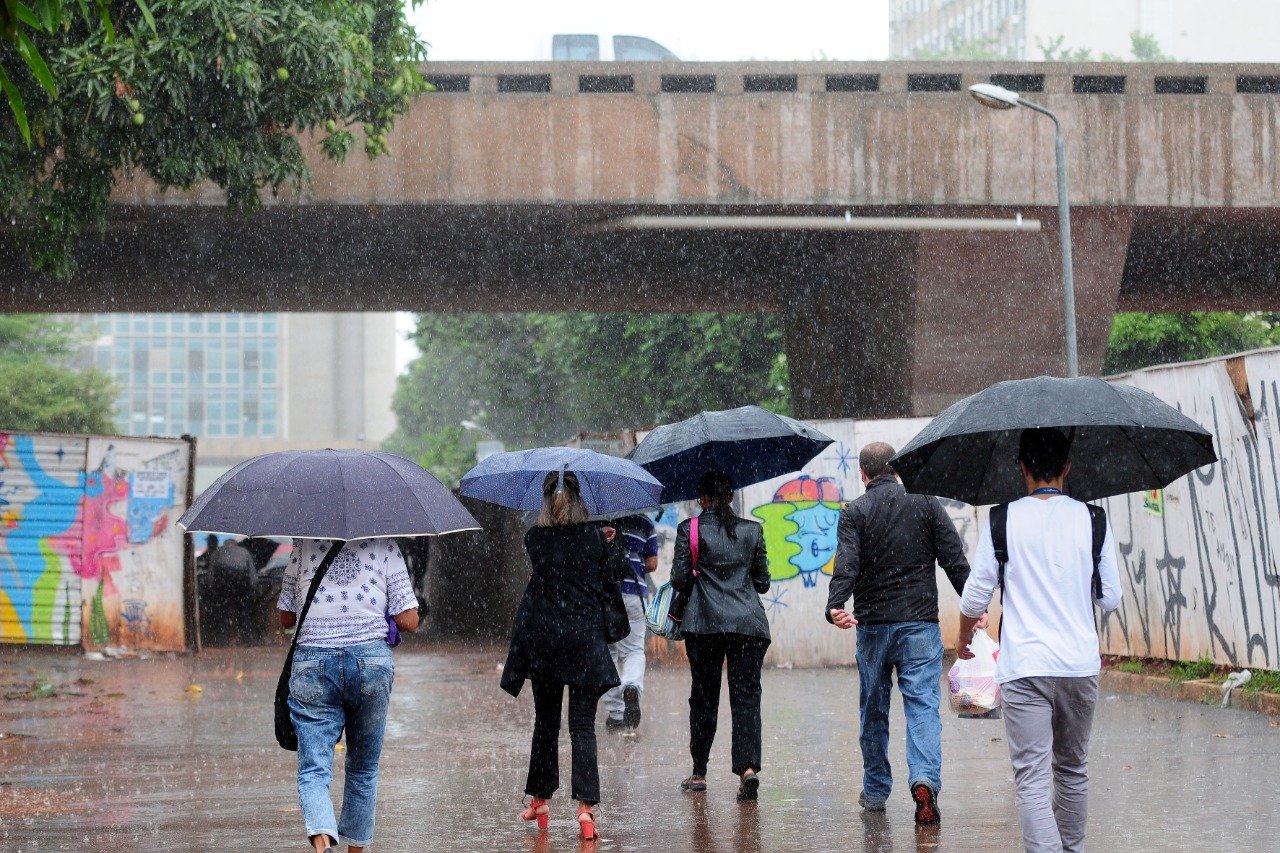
(750, 444)
(1123, 439)
(328, 494)
(609, 484)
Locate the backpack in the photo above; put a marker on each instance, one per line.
(1000, 541)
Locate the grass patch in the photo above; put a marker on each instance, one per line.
(1263, 681)
(1195, 670)
(1133, 666)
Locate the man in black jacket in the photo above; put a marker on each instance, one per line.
(888, 544)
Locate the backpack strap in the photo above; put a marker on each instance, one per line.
(1098, 519)
(1000, 543)
(1000, 540)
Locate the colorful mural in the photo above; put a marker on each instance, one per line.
(800, 528)
(88, 551)
(41, 484)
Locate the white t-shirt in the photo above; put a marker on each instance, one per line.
(1048, 626)
(366, 581)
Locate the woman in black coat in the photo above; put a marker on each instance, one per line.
(723, 620)
(558, 641)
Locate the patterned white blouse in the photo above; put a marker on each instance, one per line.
(367, 581)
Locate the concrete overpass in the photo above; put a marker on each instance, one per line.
(496, 182)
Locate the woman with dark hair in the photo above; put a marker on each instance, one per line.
(558, 641)
(721, 568)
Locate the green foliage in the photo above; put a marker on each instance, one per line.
(38, 393)
(188, 91)
(538, 378)
(1133, 666)
(974, 50)
(447, 452)
(1140, 339)
(1263, 681)
(1143, 47)
(1192, 670)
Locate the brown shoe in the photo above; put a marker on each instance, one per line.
(694, 783)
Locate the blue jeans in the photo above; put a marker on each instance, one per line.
(329, 690)
(914, 649)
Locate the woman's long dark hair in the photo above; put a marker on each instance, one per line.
(716, 487)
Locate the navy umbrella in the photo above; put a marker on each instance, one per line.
(609, 484)
(1123, 439)
(328, 494)
(750, 444)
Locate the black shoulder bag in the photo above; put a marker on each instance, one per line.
(617, 624)
(286, 736)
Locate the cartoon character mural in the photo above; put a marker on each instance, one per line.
(800, 528)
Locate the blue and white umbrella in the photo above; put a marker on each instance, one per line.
(609, 484)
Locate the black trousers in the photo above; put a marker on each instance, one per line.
(707, 655)
(544, 756)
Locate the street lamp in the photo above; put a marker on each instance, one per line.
(1000, 98)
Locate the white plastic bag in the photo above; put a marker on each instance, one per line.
(974, 692)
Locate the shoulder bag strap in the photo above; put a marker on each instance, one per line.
(693, 543)
(321, 569)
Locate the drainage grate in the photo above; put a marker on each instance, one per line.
(450, 82)
(524, 82)
(1258, 84)
(769, 83)
(1019, 82)
(1098, 84)
(1181, 85)
(606, 83)
(701, 83)
(933, 82)
(853, 82)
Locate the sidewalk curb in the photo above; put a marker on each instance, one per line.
(1204, 692)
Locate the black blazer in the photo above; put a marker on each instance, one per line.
(559, 628)
(732, 575)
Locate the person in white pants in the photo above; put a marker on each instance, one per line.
(640, 541)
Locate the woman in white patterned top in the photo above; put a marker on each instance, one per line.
(342, 675)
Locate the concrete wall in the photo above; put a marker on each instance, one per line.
(1198, 560)
(809, 146)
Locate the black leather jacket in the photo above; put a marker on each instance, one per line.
(888, 542)
(732, 574)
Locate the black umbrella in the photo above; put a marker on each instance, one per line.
(328, 494)
(1123, 439)
(750, 444)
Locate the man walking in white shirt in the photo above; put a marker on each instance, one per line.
(1049, 663)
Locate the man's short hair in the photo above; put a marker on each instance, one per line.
(1044, 451)
(874, 459)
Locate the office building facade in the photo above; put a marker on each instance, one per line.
(1188, 30)
(245, 384)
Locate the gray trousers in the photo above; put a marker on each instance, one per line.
(1047, 721)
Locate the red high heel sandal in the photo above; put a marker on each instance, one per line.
(587, 824)
(539, 810)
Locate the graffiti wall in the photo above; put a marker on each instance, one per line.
(799, 515)
(1198, 563)
(89, 552)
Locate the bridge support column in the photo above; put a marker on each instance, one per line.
(896, 325)
(848, 330)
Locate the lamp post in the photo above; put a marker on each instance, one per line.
(1000, 98)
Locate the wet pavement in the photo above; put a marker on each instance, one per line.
(177, 754)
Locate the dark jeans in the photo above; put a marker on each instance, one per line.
(707, 654)
(544, 757)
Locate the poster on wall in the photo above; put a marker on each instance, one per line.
(133, 560)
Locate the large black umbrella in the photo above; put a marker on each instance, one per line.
(328, 494)
(750, 444)
(1123, 439)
